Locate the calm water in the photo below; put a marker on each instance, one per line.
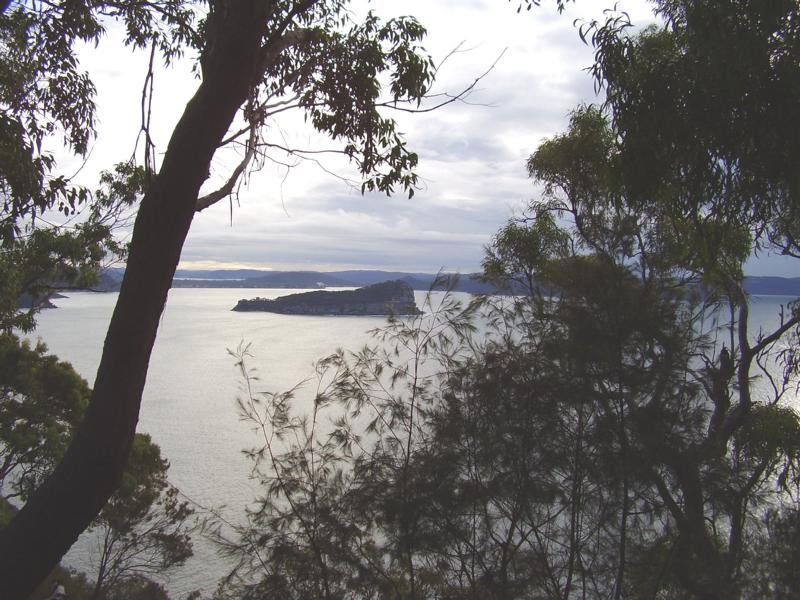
(189, 403)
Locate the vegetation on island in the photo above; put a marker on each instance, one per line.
(385, 298)
(611, 433)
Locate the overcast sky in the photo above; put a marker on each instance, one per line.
(472, 155)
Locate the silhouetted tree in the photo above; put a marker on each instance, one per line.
(251, 54)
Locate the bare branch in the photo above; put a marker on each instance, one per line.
(460, 97)
(269, 52)
(205, 201)
(774, 336)
(300, 152)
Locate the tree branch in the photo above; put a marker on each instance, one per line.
(460, 97)
(209, 199)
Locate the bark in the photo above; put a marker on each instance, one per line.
(34, 542)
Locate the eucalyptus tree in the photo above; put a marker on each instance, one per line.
(44, 95)
(702, 107)
(709, 446)
(251, 55)
(693, 171)
(723, 76)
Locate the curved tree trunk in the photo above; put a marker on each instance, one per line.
(34, 542)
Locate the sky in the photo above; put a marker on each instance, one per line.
(472, 154)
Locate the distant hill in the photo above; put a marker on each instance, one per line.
(253, 278)
(370, 277)
(185, 278)
(109, 280)
(773, 286)
(269, 279)
(301, 279)
(219, 273)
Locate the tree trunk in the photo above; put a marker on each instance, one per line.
(36, 539)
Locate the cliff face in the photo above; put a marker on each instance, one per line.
(389, 297)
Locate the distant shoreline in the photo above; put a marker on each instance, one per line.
(311, 280)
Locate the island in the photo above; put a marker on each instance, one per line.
(387, 298)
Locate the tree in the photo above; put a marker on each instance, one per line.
(36, 50)
(344, 512)
(705, 468)
(721, 174)
(777, 557)
(596, 438)
(144, 528)
(729, 106)
(45, 97)
(518, 251)
(251, 53)
(42, 401)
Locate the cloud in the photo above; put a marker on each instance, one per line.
(342, 237)
(472, 153)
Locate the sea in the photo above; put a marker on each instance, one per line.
(189, 404)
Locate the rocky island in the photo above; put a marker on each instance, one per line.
(387, 298)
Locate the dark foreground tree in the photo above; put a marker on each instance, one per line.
(144, 528)
(724, 76)
(41, 403)
(251, 54)
(603, 437)
(721, 179)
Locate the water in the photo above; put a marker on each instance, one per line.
(189, 403)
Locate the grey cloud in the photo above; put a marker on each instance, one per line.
(472, 158)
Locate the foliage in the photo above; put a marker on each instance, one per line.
(36, 51)
(138, 588)
(31, 269)
(42, 402)
(722, 76)
(602, 436)
(144, 529)
(783, 527)
(336, 73)
(7, 511)
(44, 94)
(76, 587)
(518, 251)
(74, 584)
(49, 258)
